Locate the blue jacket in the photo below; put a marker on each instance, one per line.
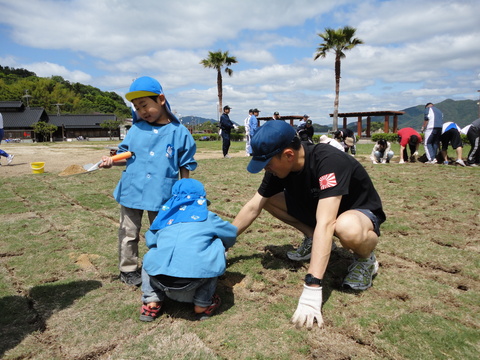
(160, 152)
(253, 123)
(190, 249)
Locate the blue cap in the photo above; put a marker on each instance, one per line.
(147, 86)
(269, 140)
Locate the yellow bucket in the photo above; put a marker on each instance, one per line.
(37, 167)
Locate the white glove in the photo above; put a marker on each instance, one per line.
(415, 153)
(309, 307)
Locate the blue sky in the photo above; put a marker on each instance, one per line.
(414, 51)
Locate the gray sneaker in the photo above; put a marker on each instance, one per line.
(132, 278)
(360, 273)
(303, 252)
(460, 162)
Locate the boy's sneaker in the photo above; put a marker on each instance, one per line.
(460, 162)
(149, 313)
(216, 302)
(360, 273)
(10, 158)
(303, 252)
(132, 278)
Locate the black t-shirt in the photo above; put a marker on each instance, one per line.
(327, 172)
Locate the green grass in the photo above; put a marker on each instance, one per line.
(60, 297)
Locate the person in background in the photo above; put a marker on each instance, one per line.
(246, 122)
(276, 116)
(321, 192)
(163, 151)
(226, 125)
(303, 121)
(324, 139)
(2, 152)
(186, 255)
(408, 136)
(432, 128)
(381, 152)
(473, 134)
(347, 137)
(305, 131)
(451, 135)
(253, 123)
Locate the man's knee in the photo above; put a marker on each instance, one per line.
(353, 227)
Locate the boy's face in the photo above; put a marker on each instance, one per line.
(150, 110)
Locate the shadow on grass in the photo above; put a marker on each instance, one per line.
(23, 315)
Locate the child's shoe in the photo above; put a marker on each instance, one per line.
(216, 302)
(149, 313)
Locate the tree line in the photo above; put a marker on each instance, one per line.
(57, 94)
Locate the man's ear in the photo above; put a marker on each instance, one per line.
(289, 153)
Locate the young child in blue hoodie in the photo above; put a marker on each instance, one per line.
(186, 255)
(163, 151)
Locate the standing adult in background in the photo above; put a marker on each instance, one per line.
(381, 152)
(473, 134)
(253, 122)
(432, 129)
(451, 134)
(408, 136)
(347, 137)
(2, 133)
(226, 125)
(276, 116)
(246, 122)
(303, 121)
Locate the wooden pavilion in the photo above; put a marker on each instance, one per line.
(369, 114)
(289, 118)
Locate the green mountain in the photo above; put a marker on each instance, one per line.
(462, 112)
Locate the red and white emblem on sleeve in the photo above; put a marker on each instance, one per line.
(327, 181)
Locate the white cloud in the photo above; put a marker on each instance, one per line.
(413, 49)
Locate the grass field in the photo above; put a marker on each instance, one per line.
(60, 297)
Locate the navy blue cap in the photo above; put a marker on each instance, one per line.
(269, 140)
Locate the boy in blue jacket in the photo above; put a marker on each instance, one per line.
(163, 151)
(187, 245)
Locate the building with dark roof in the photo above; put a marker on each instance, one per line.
(18, 121)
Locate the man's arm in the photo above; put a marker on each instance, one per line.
(309, 308)
(327, 210)
(249, 212)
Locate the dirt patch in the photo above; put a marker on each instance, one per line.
(72, 169)
(63, 159)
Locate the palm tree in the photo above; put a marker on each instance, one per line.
(337, 41)
(217, 60)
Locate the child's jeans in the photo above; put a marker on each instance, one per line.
(198, 291)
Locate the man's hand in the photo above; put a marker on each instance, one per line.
(309, 307)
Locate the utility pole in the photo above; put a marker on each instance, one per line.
(58, 108)
(27, 97)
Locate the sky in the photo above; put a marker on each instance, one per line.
(413, 51)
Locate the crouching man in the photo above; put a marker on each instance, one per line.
(322, 192)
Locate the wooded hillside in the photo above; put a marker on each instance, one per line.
(55, 93)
